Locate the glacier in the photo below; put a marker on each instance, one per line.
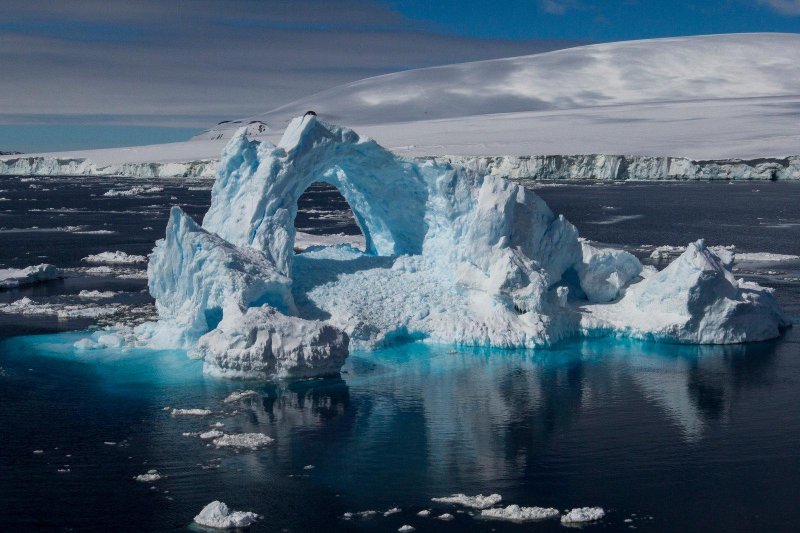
(451, 256)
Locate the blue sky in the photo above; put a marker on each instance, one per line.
(99, 73)
(599, 21)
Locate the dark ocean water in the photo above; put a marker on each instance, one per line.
(674, 438)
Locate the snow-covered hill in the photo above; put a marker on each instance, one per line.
(691, 99)
(685, 69)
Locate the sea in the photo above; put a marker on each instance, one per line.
(663, 437)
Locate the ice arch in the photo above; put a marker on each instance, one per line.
(475, 260)
(254, 200)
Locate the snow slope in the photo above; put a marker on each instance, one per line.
(701, 98)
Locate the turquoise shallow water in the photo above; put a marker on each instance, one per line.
(672, 437)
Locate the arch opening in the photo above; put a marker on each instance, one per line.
(325, 218)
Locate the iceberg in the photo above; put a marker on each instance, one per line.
(450, 256)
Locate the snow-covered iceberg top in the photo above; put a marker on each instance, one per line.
(451, 256)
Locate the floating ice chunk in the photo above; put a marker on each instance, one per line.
(765, 257)
(96, 295)
(393, 510)
(115, 258)
(603, 273)
(251, 441)
(406, 529)
(360, 514)
(476, 502)
(515, 513)
(694, 299)
(240, 395)
(134, 191)
(38, 452)
(446, 517)
(217, 515)
(425, 513)
(583, 514)
(310, 467)
(26, 306)
(212, 434)
(263, 343)
(11, 278)
(149, 477)
(191, 412)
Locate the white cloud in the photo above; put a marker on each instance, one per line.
(191, 62)
(788, 7)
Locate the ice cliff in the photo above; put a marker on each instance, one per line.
(55, 166)
(452, 256)
(599, 167)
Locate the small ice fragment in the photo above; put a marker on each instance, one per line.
(149, 477)
(109, 443)
(309, 467)
(240, 395)
(406, 529)
(243, 440)
(63, 470)
(115, 258)
(213, 434)
(191, 412)
(216, 514)
(38, 452)
(515, 513)
(217, 425)
(446, 517)
(628, 520)
(393, 510)
(425, 513)
(583, 514)
(476, 502)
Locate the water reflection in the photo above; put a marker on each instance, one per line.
(402, 425)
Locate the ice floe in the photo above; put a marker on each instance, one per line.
(217, 515)
(240, 395)
(117, 257)
(582, 515)
(191, 412)
(96, 295)
(515, 513)
(149, 477)
(134, 191)
(475, 502)
(250, 441)
(11, 278)
(26, 306)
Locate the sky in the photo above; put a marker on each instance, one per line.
(101, 73)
